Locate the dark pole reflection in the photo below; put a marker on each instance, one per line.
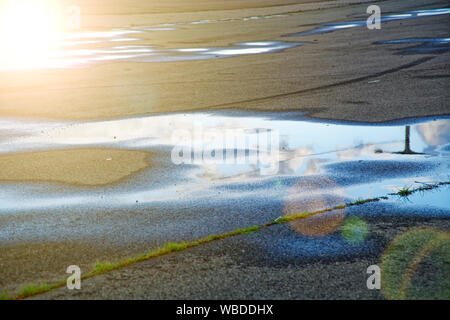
(407, 149)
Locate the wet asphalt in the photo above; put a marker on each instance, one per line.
(280, 262)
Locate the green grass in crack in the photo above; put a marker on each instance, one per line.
(103, 267)
(100, 267)
(405, 191)
(362, 201)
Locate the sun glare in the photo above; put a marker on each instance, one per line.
(28, 32)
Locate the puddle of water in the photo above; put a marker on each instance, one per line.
(71, 49)
(331, 27)
(438, 198)
(373, 160)
(316, 138)
(422, 45)
(237, 49)
(70, 58)
(261, 17)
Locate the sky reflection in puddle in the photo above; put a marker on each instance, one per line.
(361, 160)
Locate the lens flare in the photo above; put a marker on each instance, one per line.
(420, 253)
(303, 196)
(354, 230)
(28, 32)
